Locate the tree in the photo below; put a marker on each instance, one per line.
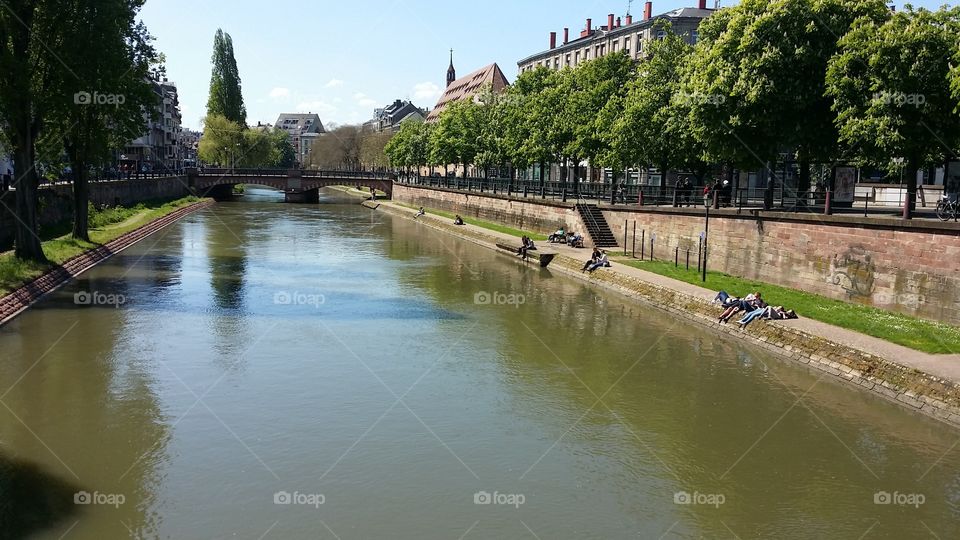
(890, 82)
(226, 97)
(592, 86)
(285, 155)
(372, 146)
(655, 110)
(106, 92)
(337, 148)
(527, 120)
(221, 141)
(457, 136)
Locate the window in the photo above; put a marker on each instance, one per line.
(615, 46)
(694, 37)
(661, 34)
(577, 60)
(626, 45)
(568, 60)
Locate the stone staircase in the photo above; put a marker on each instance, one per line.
(597, 226)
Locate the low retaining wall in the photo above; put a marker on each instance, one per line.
(928, 394)
(16, 302)
(56, 202)
(908, 267)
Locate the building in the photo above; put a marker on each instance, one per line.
(159, 149)
(390, 118)
(618, 35)
(467, 87)
(303, 129)
(189, 146)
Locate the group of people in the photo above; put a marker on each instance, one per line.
(723, 191)
(752, 306)
(572, 239)
(597, 260)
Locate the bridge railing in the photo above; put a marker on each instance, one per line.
(304, 173)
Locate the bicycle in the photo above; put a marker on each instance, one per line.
(947, 209)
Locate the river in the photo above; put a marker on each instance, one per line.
(263, 370)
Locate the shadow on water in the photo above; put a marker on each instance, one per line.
(30, 499)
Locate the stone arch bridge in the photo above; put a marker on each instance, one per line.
(298, 185)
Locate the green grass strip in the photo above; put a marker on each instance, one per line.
(105, 225)
(918, 334)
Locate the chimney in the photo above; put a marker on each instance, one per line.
(648, 11)
(703, 4)
(618, 22)
(553, 40)
(629, 20)
(566, 36)
(589, 25)
(610, 21)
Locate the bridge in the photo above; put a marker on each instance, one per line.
(298, 185)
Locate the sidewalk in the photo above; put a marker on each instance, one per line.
(921, 380)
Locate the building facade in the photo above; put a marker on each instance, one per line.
(303, 129)
(468, 86)
(617, 35)
(160, 148)
(390, 118)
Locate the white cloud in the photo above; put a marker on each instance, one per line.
(364, 101)
(334, 83)
(317, 106)
(426, 91)
(280, 93)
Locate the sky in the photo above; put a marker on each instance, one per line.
(342, 59)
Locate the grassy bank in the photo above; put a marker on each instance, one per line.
(481, 223)
(919, 334)
(105, 225)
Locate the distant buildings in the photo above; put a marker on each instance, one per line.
(618, 35)
(160, 147)
(302, 129)
(189, 146)
(467, 87)
(390, 118)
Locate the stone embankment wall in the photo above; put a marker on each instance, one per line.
(913, 389)
(911, 268)
(56, 202)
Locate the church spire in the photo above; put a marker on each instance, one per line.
(451, 72)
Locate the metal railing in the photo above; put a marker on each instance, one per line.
(304, 173)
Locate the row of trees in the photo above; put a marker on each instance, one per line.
(76, 81)
(349, 147)
(826, 80)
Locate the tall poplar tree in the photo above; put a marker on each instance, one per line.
(226, 98)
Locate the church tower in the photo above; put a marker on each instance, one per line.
(451, 72)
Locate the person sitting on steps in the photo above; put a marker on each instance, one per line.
(594, 257)
(602, 261)
(420, 213)
(458, 220)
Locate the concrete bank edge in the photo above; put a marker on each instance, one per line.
(908, 387)
(30, 293)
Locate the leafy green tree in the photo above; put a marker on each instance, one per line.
(285, 155)
(226, 97)
(592, 86)
(29, 43)
(890, 82)
(526, 120)
(106, 91)
(457, 134)
(655, 110)
(221, 142)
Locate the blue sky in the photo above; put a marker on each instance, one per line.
(341, 59)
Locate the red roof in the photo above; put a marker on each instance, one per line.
(466, 87)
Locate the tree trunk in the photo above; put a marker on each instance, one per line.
(543, 182)
(26, 235)
(803, 181)
(910, 181)
(81, 199)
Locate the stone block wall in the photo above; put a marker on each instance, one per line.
(910, 268)
(56, 202)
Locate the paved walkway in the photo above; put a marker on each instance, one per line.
(944, 366)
